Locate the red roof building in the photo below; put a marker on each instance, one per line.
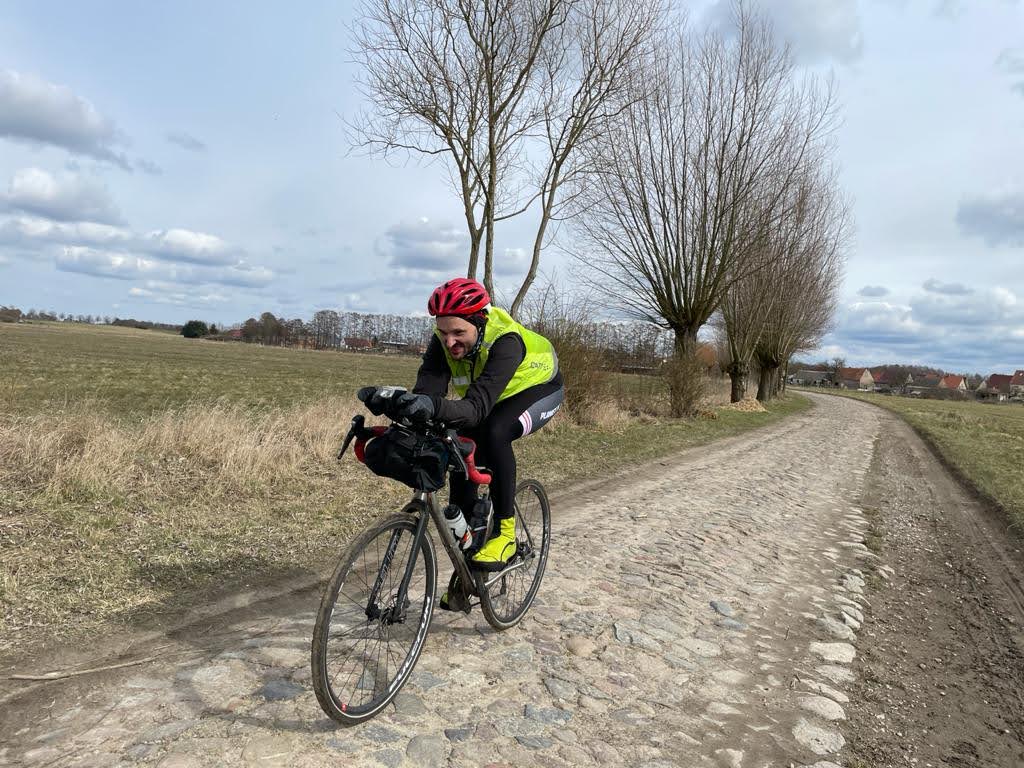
(952, 381)
(353, 342)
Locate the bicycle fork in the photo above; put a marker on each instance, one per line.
(395, 614)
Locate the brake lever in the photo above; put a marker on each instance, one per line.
(452, 438)
(358, 421)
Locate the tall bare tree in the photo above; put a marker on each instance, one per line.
(504, 90)
(804, 279)
(722, 129)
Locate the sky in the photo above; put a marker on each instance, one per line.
(171, 161)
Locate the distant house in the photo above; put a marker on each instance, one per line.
(883, 382)
(812, 379)
(856, 378)
(952, 381)
(995, 388)
(235, 334)
(1017, 385)
(354, 342)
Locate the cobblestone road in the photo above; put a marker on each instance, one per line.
(705, 616)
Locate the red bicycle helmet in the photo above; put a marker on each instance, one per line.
(461, 297)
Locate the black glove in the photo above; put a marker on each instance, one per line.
(380, 400)
(415, 408)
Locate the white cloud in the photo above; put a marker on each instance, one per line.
(36, 111)
(997, 217)
(873, 291)
(69, 198)
(426, 246)
(168, 293)
(127, 266)
(34, 233)
(513, 261)
(98, 263)
(816, 30)
(188, 246)
(950, 289)
(970, 329)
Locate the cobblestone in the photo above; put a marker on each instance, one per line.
(709, 587)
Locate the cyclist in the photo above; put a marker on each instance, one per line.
(509, 385)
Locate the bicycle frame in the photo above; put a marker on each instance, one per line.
(426, 507)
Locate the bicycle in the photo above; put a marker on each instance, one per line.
(382, 591)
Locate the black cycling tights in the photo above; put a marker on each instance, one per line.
(509, 420)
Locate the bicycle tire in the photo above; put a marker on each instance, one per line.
(513, 590)
(342, 672)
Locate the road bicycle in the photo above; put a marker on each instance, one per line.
(376, 608)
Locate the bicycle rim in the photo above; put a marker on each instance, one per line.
(505, 597)
(364, 644)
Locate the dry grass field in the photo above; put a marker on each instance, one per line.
(141, 471)
(983, 441)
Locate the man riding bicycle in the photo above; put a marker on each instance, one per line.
(509, 385)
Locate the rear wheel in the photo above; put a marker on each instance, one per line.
(364, 643)
(506, 596)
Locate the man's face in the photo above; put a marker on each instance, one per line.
(458, 335)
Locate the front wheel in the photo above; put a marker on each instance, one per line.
(506, 596)
(365, 643)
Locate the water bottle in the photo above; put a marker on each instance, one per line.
(457, 525)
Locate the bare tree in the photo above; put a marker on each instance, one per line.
(722, 129)
(804, 279)
(504, 90)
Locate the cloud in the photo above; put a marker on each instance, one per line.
(167, 293)
(816, 30)
(512, 262)
(38, 112)
(188, 246)
(69, 198)
(950, 289)
(426, 246)
(121, 265)
(973, 330)
(148, 167)
(873, 291)
(98, 263)
(1011, 62)
(34, 233)
(879, 321)
(185, 141)
(997, 218)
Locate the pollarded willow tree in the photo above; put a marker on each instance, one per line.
(722, 128)
(804, 279)
(506, 91)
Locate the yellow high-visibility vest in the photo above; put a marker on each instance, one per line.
(538, 367)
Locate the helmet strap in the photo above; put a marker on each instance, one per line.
(480, 321)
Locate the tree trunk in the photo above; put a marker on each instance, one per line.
(685, 382)
(765, 381)
(738, 377)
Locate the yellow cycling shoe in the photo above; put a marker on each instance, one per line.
(495, 553)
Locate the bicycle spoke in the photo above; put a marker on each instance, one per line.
(362, 653)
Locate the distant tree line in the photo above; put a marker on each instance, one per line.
(636, 345)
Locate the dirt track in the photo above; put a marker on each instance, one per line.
(716, 610)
